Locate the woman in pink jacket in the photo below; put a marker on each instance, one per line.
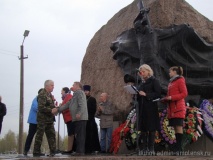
(177, 91)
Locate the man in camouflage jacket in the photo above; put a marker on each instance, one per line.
(45, 120)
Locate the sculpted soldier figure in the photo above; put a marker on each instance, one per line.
(161, 48)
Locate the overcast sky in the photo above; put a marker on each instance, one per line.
(60, 31)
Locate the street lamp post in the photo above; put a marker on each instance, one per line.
(21, 114)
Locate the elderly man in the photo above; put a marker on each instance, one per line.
(45, 120)
(105, 112)
(78, 108)
(3, 112)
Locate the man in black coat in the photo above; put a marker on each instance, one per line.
(3, 112)
(92, 141)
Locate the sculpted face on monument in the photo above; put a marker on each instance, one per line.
(125, 49)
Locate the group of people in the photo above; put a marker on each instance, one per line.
(150, 90)
(79, 111)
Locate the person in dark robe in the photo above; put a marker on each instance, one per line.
(92, 144)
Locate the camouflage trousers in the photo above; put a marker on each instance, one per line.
(49, 130)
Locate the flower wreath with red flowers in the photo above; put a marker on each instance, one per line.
(207, 111)
(192, 125)
(128, 131)
(121, 132)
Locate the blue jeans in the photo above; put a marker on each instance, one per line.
(106, 132)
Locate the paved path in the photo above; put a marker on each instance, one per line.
(107, 157)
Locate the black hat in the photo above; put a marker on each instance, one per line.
(66, 89)
(129, 78)
(87, 87)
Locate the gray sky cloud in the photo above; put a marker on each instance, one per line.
(60, 32)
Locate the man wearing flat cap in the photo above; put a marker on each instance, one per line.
(92, 142)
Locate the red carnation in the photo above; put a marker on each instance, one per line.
(191, 116)
(190, 123)
(189, 130)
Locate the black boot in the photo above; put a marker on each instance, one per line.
(143, 144)
(151, 143)
(178, 146)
